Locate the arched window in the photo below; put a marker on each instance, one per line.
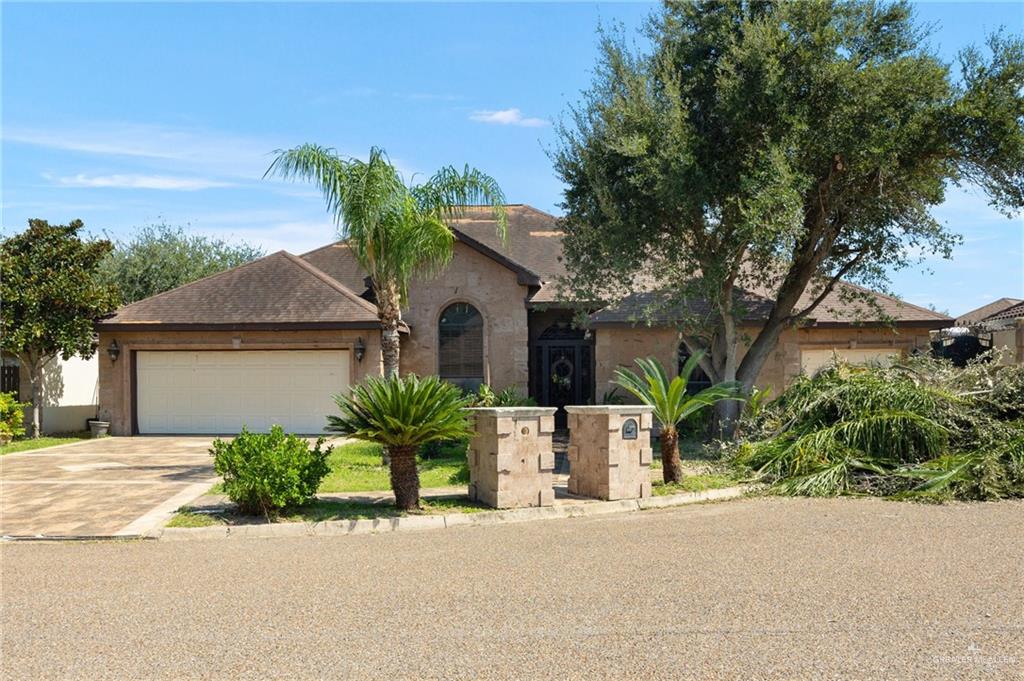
(698, 379)
(460, 346)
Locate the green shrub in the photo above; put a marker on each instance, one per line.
(509, 397)
(924, 428)
(12, 416)
(265, 472)
(444, 449)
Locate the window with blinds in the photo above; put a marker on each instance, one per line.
(461, 346)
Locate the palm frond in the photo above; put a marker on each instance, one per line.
(401, 411)
(448, 193)
(669, 398)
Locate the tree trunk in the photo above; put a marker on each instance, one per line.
(671, 466)
(405, 479)
(389, 310)
(35, 379)
(727, 414)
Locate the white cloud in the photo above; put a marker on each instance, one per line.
(164, 182)
(294, 236)
(507, 117)
(176, 149)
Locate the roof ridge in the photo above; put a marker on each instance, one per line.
(331, 281)
(998, 315)
(202, 279)
(321, 248)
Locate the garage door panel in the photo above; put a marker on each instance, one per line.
(220, 392)
(813, 359)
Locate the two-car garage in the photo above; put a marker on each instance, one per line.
(220, 391)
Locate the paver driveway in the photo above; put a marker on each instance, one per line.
(111, 486)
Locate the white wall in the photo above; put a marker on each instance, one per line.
(70, 393)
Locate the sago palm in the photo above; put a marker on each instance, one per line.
(396, 230)
(402, 414)
(672, 404)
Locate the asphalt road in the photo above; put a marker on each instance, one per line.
(746, 589)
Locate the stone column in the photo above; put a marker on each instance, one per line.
(511, 460)
(610, 451)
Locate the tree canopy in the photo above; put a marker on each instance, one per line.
(159, 257)
(51, 297)
(776, 148)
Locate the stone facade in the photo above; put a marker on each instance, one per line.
(610, 451)
(491, 288)
(1010, 341)
(116, 403)
(511, 461)
(618, 346)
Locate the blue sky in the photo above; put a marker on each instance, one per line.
(124, 115)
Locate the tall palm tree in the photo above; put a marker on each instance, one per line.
(672, 404)
(395, 230)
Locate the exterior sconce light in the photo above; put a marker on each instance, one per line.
(236, 342)
(113, 350)
(360, 349)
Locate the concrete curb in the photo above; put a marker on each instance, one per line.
(332, 528)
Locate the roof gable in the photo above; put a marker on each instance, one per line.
(986, 311)
(277, 290)
(1011, 312)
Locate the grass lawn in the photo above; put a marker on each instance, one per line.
(692, 453)
(43, 442)
(694, 483)
(356, 467)
(319, 511)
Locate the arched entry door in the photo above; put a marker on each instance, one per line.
(563, 369)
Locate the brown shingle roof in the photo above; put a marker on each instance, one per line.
(534, 241)
(338, 261)
(1012, 312)
(278, 290)
(757, 305)
(986, 311)
(534, 247)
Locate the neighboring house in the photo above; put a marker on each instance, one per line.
(272, 341)
(985, 311)
(998, 325)
(70, 390)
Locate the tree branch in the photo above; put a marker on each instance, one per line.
(793, 318)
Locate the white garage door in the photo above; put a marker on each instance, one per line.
(812, 359)
(219, 392)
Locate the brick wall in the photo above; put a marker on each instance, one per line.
(490, 288)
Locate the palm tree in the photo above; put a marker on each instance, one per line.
(402, 414)
(395, 230)
(672, 404)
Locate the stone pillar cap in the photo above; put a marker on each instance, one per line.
(611, 409)
(514, 411)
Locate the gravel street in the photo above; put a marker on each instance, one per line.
(758, 588)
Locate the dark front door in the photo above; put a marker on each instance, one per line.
(563, 371)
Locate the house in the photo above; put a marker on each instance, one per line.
(70, 390)
(978, 315)
(272, 340)
(999, 325)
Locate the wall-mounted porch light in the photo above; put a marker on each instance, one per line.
(360, 349)
(113, 351)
